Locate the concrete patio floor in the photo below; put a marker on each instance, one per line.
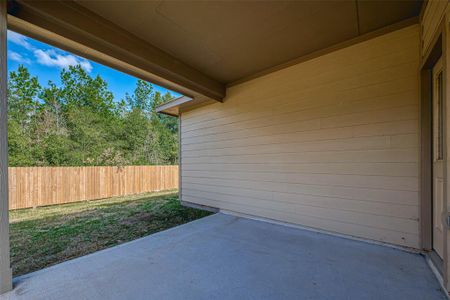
(227, 257)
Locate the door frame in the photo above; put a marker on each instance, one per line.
(426, 151)
(438, 158)
(426, 139)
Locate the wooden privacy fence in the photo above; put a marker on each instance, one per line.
(38, 186)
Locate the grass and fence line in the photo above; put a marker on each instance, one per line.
(41, 186)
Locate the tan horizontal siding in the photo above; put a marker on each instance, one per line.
(371, 142)
(347, 117)
(338, 226)
(432, 17)
(365, 194)
(364, 181)
(381, 169)
(405, 224)
(330, 143)
(407, 211)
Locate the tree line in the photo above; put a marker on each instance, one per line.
(78, 123)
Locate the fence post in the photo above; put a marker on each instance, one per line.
(5, 265)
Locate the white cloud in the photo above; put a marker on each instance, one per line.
(18, 57)
(51, 58)
(20, 40)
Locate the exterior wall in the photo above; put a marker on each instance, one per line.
(433, 14)
(331, 143)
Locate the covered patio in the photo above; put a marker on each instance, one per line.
(229, 257)
(326, 115)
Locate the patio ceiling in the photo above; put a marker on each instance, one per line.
(200, 47)
(228, 41)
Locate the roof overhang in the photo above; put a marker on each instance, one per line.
(172, 108)
(175, 106)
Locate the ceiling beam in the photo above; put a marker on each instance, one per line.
(69, 26)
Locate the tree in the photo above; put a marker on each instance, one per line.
(53, 107)
(163, 138)
(78, 123)
(23, 104)
(79, 89)
(136, 129)
(142, 97)
(23, 91)
(19, 150)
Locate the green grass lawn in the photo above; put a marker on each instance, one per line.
(46, 236)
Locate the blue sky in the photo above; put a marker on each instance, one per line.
(45, 62)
